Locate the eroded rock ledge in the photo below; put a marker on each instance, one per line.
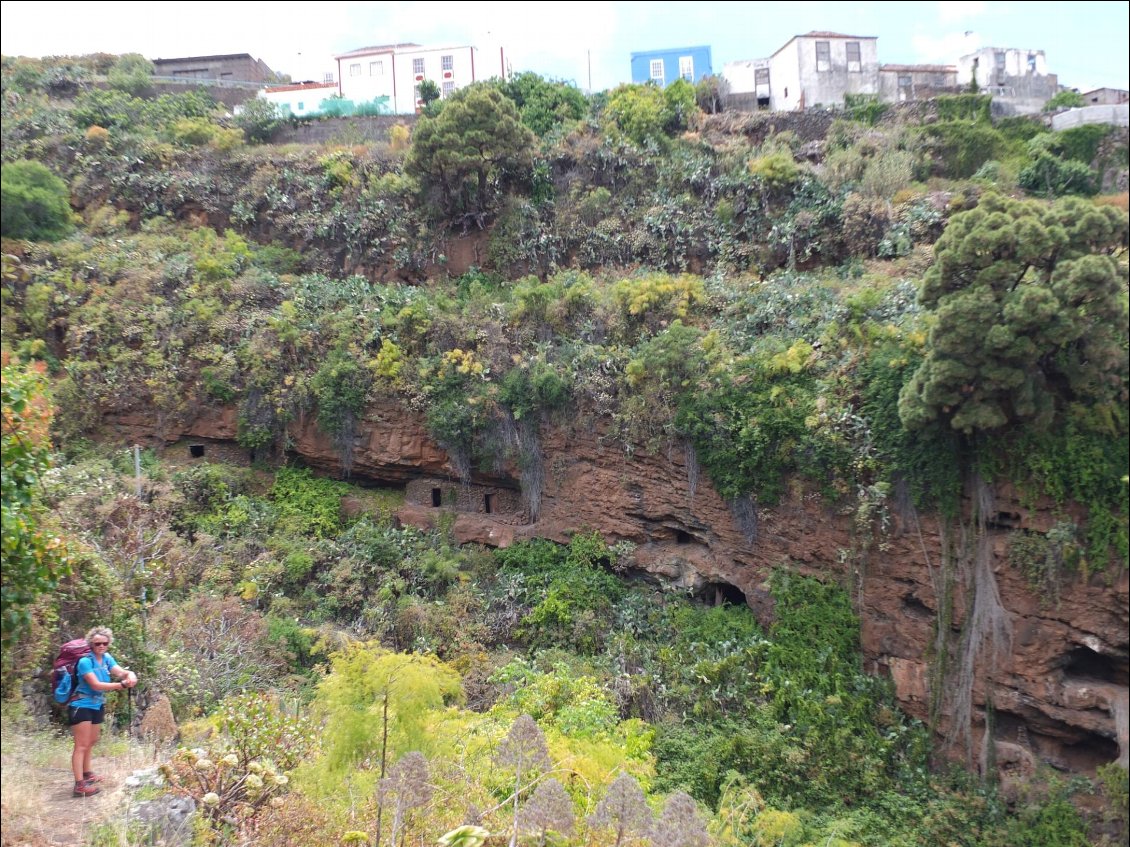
(1059, 693)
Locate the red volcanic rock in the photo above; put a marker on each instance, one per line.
(1059, 689)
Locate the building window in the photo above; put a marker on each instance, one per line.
(448, 89)
(904, 81)
(377, 68)
(328, 78)
(446, 63)
(1031, 63)
(854, 61)
(416, 93)
(761, 76)
(686, 68)
(823, 55)
(301, 105)
(657, 71)
(417, 66)
(1000, 56)
(355, 69)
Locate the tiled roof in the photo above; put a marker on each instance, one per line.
(299, 86)
(380, 48)
(925, 69)
(206, 58)
(823, 34)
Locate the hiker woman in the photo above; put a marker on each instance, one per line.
(97, 674)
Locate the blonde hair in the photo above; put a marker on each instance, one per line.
(101, 630)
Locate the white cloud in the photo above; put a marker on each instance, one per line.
(953, 11)
(940, 49)
(551, 38)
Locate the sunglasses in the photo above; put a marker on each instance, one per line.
(99, 643)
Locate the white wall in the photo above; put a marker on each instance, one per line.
(741, 76)
(985, 60)
(784, 78)
(462, 73)
(1114, 115)
(828, 87)
(305, 101)
(364, 78)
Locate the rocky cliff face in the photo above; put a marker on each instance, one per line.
(1056, 675)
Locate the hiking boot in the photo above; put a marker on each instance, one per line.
(90, 777)
(85, 789)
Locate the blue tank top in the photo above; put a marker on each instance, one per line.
(88, 698)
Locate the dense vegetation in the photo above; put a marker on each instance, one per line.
(788, 323)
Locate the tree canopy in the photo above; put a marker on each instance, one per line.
(1030, 315)
(542, 103)
(465, 156)
(36, 203)
(33, 561)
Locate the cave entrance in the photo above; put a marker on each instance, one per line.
(721, 594)
(488, 503)
(196, 451)
(683, 537)
(437, 497)
(1085, 663)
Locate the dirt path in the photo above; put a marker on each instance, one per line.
(37, 808)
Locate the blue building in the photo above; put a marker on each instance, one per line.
(663, 67)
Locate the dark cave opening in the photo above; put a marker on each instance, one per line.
(1005, 520)
(916, 608)
(196, 451)
(721, 594)
(1085, 663)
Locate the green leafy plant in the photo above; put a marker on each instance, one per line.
(36, 203)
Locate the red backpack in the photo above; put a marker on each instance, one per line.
(64, 679)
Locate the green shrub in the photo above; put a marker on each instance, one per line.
(1066, 99)
(308, 505)
(964, 107)
(1050, 176)
(572, 595)
(36, 203)
(865, 108)
(961, 147)
(534, 387)
(1081, 143)
(259, 120)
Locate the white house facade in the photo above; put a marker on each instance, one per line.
(300, 99)
(395, 71)
(819, 68)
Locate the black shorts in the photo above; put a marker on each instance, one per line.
(82, 714)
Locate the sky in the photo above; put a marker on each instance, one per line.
(1086, 43)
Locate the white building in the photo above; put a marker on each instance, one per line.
(819, 68)
(1017, 79)
(992, 66)
(815, 69)
(749, 79)
(304, 98)
(395, 71)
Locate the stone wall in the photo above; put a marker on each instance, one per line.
(1114, 115)
(471, 498)
(352, 130)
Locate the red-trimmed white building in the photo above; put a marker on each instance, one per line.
(395, 71)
